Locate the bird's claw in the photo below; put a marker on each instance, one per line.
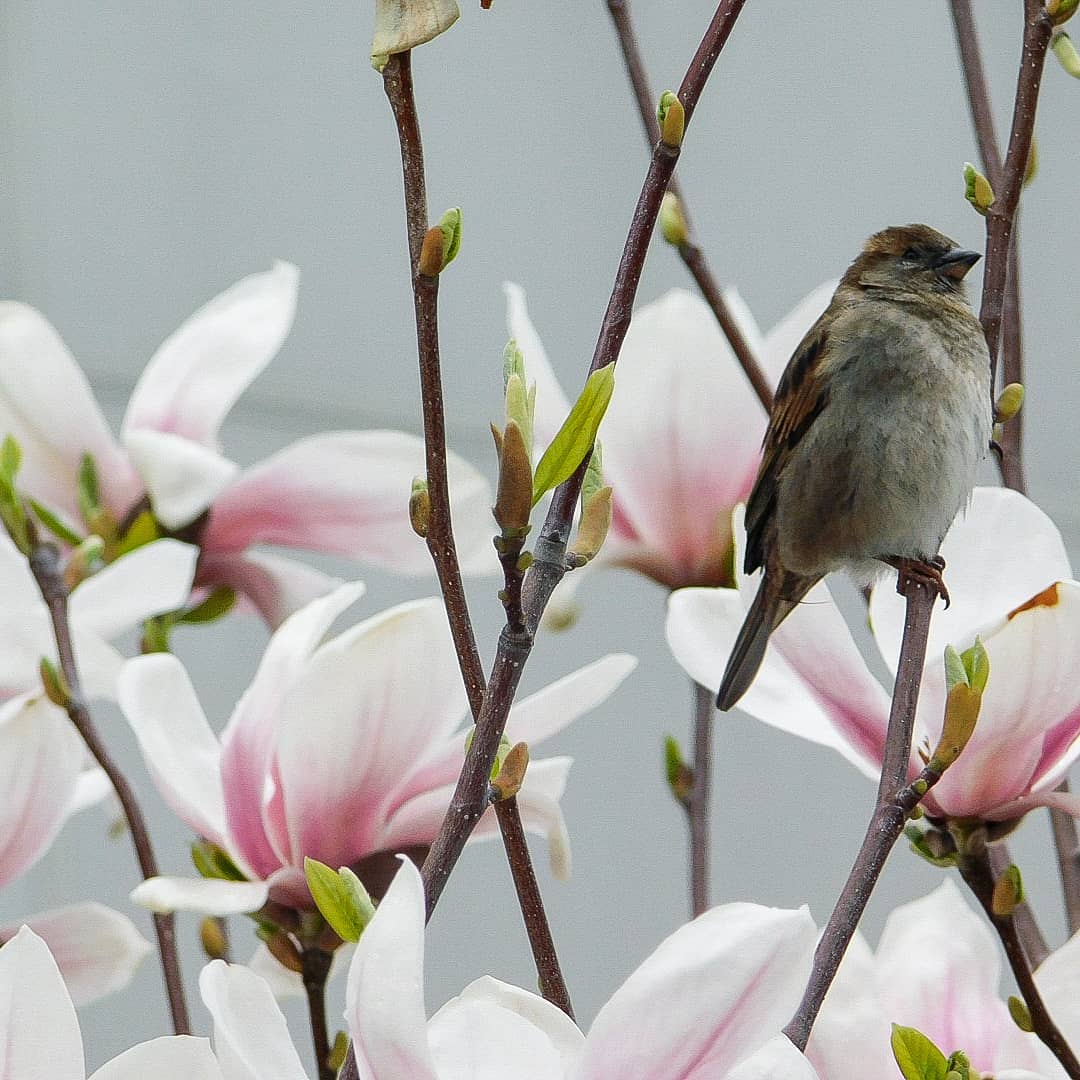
(923, 571)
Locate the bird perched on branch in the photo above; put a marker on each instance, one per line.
(879, 424)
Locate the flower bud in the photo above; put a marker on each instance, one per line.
(680, 777)
(212, 938)
(84, 562)
(594, 525)
(283, 949)
(673, 225)
(1061, 11)
(512, 773)
(672, 118)
(53, 683)
(1020, 1015)
(1031, 170)
(431, 253)
(513, 499)
(977, 189)
(1008, 892)
(420, 506)
(401, 25)
(1066, 53)
(1008, 403)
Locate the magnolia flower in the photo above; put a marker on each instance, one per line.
(1010, 583)
(344, 493)
(40, 1037)
(937, 968)
(336, 751)
(682, 435)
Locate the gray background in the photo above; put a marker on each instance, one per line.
(155, 153)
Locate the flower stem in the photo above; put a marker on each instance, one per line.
(697, 801)
(46, 566)
(895, 801)
(316, 970)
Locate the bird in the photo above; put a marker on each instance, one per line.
(877, 429)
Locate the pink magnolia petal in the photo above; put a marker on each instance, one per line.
(171, 1057)
(347, 493)
(251, 1038)
(39, 1032)
(206, 896)
(197, 374)
(40, 760)
(97, 949)
(247, 742)
(999, 554)
(182, 477)
(813, 682)
(359, 695)
(712, 993)
(384, 1002)
(40, 383)
(776, 1060)
(177, 743)
(274, 586)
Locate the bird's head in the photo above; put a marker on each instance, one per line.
(911, 258)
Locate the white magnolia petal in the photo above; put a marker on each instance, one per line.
(286, 984)
(708, 996)
(91, 786)
(541, 715)
(1000, 553)
(205, 896)
(171, 1057)
(1058, 980)
(182, 477)
(176, 740)
(251, 1038)
(776, 1060)
(784, 338)
(147, 581)
(384, 1001)
(96, 948)
(195, 377)
(39, 1032)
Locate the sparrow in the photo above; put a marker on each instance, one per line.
(877, 429)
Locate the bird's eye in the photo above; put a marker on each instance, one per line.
(911, 255)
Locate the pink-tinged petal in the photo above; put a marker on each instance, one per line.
(1066, 802)
(97, 949)
(548, 711)
(178, 745)
(713, 992)
(274, 586)
(182, 477)
(247, 743)
(251, 1038)
(384, 1000)
(1033, 661)
(145, 582)
(347, 493)
(813, 682)
(1000, 553)
(355, 723)
(40, 759)
(206, 896)
(551, 404)
(1058, 980)
(39, 1032)
(776, 1060)
(784, 338)
(91, 787)
(171, 1057)
(47, 405)
(195, 377)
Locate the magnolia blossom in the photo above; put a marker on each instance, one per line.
(337, 750)
(937, 968)
(682, 435)
(1010, 583)
(344, 493)
(40, 1037)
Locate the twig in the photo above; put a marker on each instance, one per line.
(974, 866)
(316, 970)
(397, 82)
(1031, 936)
(895, 802)
(690, 252)
(46, 566)
(552, 984)
(697, 800)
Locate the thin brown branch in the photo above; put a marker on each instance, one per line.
(690, 252)
(698, 801)
(316, 970)
(895, 801)
(552, 985)
(974, 866)
(48, 571)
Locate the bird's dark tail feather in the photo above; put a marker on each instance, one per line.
(767, 612)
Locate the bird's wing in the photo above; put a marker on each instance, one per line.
(801, 394)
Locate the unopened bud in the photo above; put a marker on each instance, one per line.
(961, 713)
(977, 189)
(420, 507)
(338, 1052)
(1008, 403)
(401, 25)
(1008, 893)
(594, 525)
(212, 937)
(1061, 10)
(680, 777)
(283, 949)
(673, 225)
(672, 118)
(84, 562)
(512, 773)
(53, 683)
(1020, 1015)
(513, 499)
(431, 253)
(1031, 170)
(1066, 53)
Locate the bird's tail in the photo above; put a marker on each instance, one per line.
(770, 607)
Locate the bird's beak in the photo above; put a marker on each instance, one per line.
(956, 263)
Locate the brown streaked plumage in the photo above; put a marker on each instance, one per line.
(878, 425)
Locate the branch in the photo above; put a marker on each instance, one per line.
(316, 970)
(48, 572)
(895, 802)
(691, 254)
(974, 865)
(697, 800)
